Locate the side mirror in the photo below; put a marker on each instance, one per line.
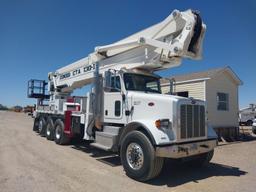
(172, 81)
(123, 97)
(107, 81)
(111, 82)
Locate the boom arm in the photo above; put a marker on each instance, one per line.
(158, 47)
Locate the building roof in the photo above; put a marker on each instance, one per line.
(204, 75)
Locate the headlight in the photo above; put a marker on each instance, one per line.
(162, 123)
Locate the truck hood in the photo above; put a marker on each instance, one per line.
(157, 106)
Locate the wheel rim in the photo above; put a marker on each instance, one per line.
(134, 156)
(48, 132)
(58, 132)
(40, 126)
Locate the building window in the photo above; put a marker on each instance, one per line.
(222, 101)
(182, 93)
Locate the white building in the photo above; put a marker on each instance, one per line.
(219, 88)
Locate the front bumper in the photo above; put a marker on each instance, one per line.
(186, 149)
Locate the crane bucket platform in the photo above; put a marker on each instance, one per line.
(158, 47)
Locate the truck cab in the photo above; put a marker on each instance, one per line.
(136, 98)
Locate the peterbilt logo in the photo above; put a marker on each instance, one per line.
(193, 101)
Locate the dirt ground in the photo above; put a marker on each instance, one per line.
(28, 162)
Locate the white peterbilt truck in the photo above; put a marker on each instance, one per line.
(125, 111)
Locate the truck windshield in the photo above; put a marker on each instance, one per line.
(138, 82)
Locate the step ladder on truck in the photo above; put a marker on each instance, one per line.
(125, 111)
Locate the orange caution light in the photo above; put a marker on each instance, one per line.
(158, 123)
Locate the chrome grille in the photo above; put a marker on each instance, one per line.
(192, 121)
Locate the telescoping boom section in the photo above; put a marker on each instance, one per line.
(158, 47)
(125, 111)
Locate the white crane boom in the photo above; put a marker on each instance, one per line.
(158, 47)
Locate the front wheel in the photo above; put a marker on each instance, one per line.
(138, 157)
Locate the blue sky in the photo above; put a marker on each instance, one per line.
(38, 36)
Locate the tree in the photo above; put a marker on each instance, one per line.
(2, 107)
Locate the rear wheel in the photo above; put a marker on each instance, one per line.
(41, 126)
(59, 136)
(36, 124)
(49, 129)
(138, 157)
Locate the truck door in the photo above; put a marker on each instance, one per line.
(113, 105)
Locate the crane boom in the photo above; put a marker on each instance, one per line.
(158, 47)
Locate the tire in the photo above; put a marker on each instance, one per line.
(202, 159)
(249, 123)
(41, 126)
(49, 129)
(254, 130)
(138, 157)
(59, 136)
(35, 126)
